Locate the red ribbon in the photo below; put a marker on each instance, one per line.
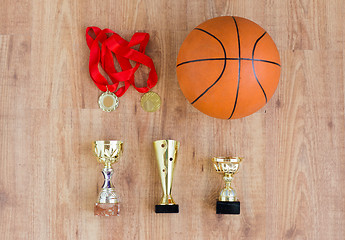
(114, 44)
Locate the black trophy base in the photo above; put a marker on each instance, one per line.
(228, 207)
(167, 208)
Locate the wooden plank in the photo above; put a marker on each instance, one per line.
(291, 181)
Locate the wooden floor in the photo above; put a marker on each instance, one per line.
(291, 183)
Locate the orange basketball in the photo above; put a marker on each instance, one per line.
(228, 67)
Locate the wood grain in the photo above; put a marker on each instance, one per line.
(291, 183)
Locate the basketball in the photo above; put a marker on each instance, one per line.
(228, 67)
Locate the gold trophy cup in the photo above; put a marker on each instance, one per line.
(166, 154)
(228, 202)
(107, 153)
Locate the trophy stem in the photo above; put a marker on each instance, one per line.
(228, 179)
(228, 194)
(107, 194)
(107, 174)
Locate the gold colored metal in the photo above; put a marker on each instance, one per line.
(166, 154)
(107, 153)
(108, 101)
(229, 166)
(150, 102)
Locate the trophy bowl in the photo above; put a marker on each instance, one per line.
(228, 202)
(227, 164)
(107, 153)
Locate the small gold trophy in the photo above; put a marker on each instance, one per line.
(227, 202)
(166, 154)
(107, 152)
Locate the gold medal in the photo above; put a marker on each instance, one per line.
(150, 102)
(108, 101)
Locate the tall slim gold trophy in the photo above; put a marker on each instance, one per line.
(107, 153)
(166, 154)
(228, 202)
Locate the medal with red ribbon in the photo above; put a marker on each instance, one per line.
(104, 47)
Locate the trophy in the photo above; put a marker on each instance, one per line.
(227, 202)
(166, 153)
(107, 153)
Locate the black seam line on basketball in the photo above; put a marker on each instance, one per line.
(217, 59)
(221, 74)
(256, 42)
(239, 67)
